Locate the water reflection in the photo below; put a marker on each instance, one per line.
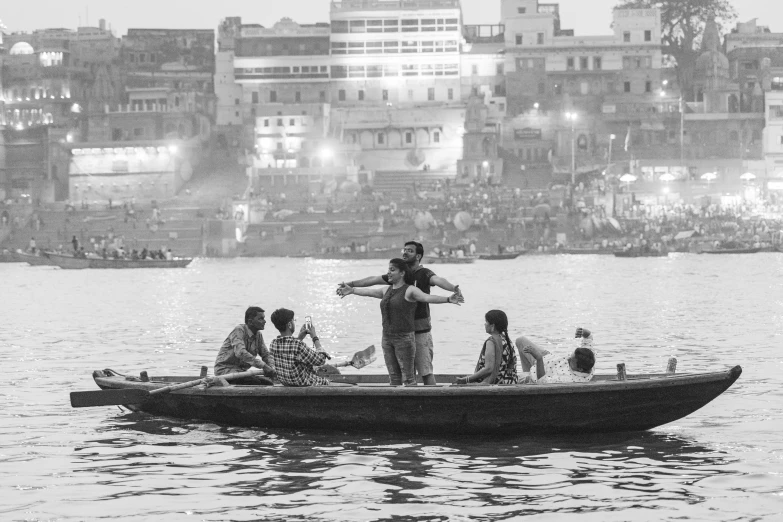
(346, 476)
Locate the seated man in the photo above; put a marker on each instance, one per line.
(577, 367)
(294, 361)
(244, 348)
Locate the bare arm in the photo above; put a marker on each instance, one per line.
(414, 294)
(367, 281)
(486, 371)
(362, 292)
(441, 282)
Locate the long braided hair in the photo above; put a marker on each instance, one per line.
(499, 319)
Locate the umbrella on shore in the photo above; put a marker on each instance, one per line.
(463, 221)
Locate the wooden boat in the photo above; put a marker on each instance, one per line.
(448, 260)
(586, 251)
(70, 262)
(33, 259)
(731, 251)
(605, 404)
(636, 253)
(387, 253)
(495, 257)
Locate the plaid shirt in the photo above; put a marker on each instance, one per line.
(239, 351)
(294, 361)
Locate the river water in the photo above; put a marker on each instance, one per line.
(724, 462)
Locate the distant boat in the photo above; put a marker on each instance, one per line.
(41, 259)
(587, 251)
(448, 260)
(637, 253)
(387, 253)
(495, 257)
(70, 262)
(732, 251)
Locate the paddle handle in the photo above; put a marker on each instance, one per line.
(190, 384)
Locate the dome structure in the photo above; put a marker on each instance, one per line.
(21, 48)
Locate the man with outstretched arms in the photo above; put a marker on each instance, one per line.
(425, 278)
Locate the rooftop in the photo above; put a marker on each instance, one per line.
(385, 5)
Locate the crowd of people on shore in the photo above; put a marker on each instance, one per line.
(405, 295)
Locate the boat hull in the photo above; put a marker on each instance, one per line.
(732, 251)
(448, 260)
(78, 263)
(33, 260)
(497, 257)
(623, 253)
(601, 406)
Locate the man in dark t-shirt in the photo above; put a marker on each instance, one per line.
(425, 279)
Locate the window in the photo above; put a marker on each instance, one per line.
(519, 39)
(254, 97)
(521, 10)
(436, 137)
(597, 63)
(474, 69)
(341, 95)
(279, 122)
(410, 94)
(408, 138)
(540, 38)
(431, 94)
(272, 96)
(298, 96)
(451, 94)
(385, 95)
(626, 86)
(780, 140)
(570, 64)
(292, 122)
(266, 122)
(236, 101)
(583, 63)
(648, 36)
(361, 94)
(626, 36)
(648, 86)
(499, 69)
(381, 138)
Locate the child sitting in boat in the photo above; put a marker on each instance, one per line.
(545, 368)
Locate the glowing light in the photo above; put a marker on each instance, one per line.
(326, 153)
(535, 105)
(173, 149)
(665, 190)
(612, 136)
(571, 116)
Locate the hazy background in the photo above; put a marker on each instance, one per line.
(584, 16)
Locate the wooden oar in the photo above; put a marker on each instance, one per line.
(118, 397)
(360, 359)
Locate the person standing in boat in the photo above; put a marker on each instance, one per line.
(497, 362)
(294, 361)
(398, 312)
(546, 368)
(424, 279)
(244, 348)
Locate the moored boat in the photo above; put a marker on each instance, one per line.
(586, 251)
(446, 260)
(496, 257)
(732, 251)
(41, 259)
(71, 262)
(605, 404)
(636, 253)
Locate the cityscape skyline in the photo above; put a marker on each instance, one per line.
(585, 18)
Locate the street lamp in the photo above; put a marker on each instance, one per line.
(572, 117)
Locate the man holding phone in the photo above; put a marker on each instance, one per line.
(294, 361)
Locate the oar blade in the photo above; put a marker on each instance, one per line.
(364, 357)
(86, 399)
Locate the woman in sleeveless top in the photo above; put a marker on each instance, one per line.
(398, 306)
(497, 362)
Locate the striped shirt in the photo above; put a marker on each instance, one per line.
(294, 362)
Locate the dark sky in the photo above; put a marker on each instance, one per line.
(585, 16)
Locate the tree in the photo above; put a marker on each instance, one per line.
(682, 25)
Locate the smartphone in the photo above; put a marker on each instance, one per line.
(308, 321)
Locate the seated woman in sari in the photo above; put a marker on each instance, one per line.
(497, 362)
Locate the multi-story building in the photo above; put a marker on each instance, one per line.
(611, 83)
(773, 135)
(396, 84)
(47, 76)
